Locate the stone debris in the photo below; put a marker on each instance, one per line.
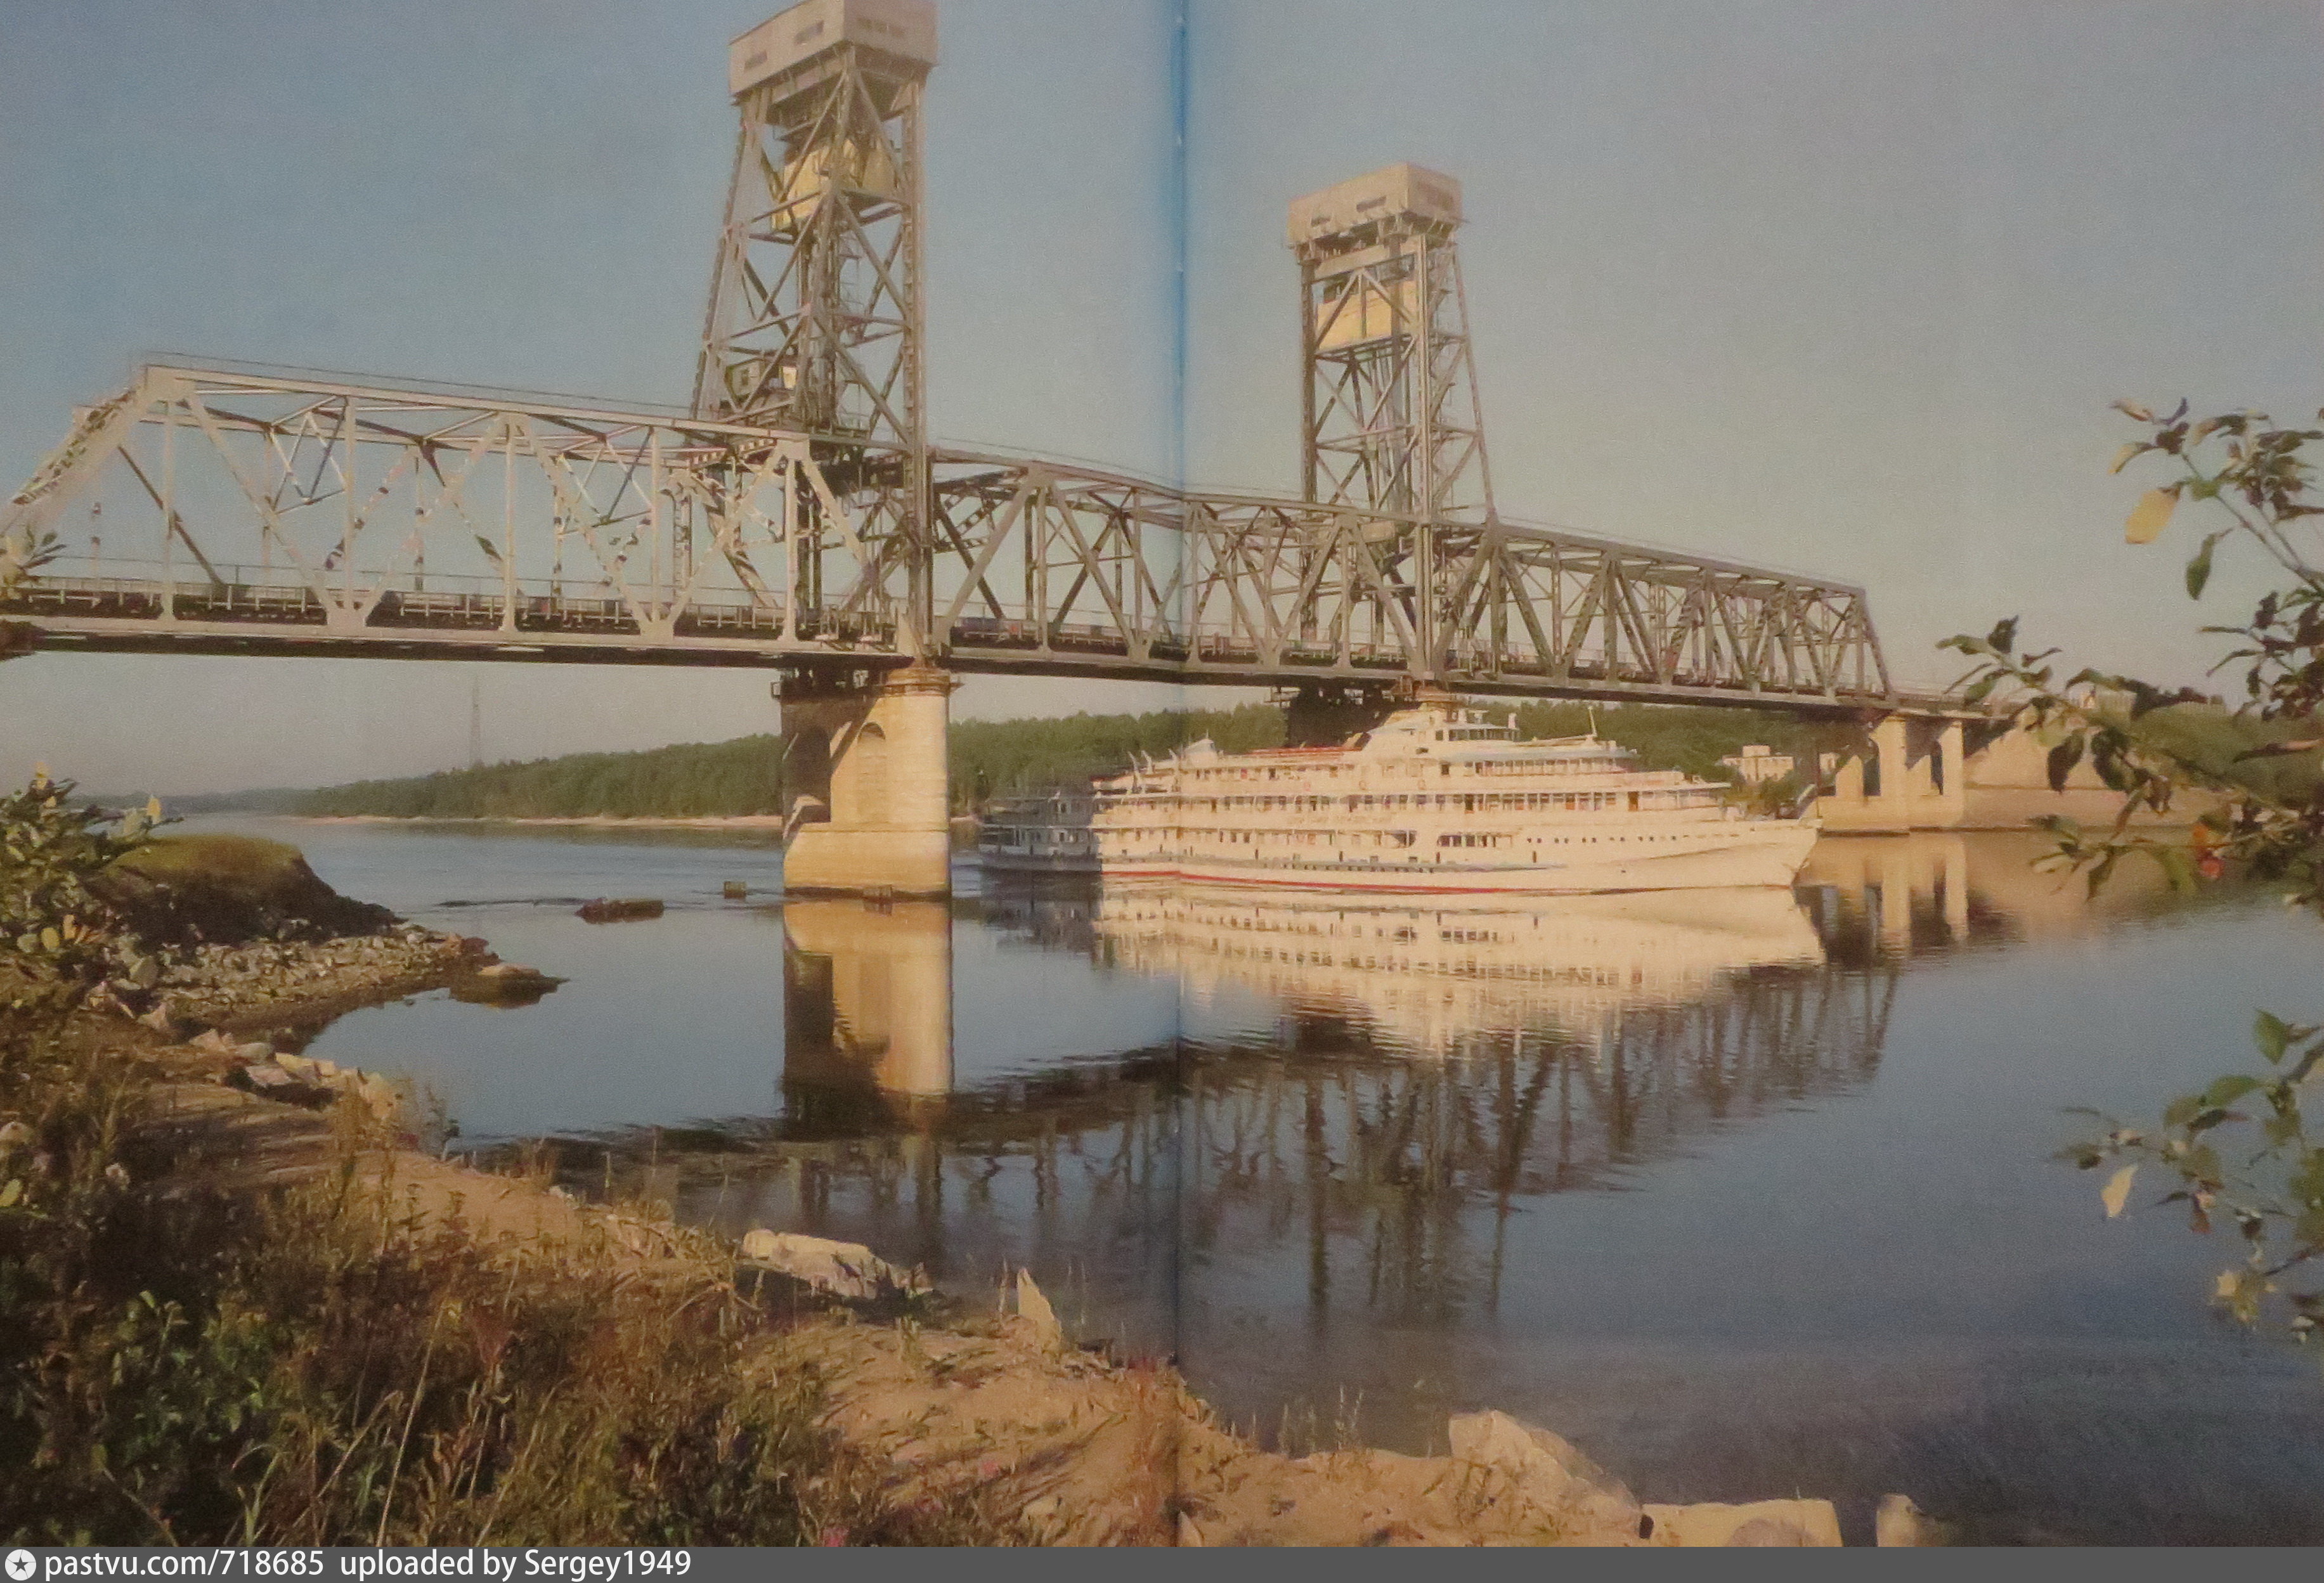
(844, 1269)
(618, 909)
(1899, 1524)
(1564, 1489)
(301, 1081)
(1716, 1524)
(503, 982)
(1034, 1309)
(179, 989)
(1087, 1450)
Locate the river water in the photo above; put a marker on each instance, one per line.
(1747, 1194)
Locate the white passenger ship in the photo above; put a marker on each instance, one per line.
(1439, 799)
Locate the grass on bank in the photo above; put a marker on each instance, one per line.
(311, 1366)
(246, 861)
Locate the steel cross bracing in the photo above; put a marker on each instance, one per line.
(217, 511)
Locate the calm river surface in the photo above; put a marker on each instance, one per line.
(1747, 1195)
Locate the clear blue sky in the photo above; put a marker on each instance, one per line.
(1840, 287)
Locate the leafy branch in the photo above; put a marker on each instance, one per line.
(2239, 1149)
(2258, 477)
(2270, 1183)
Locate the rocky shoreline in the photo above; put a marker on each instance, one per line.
(270, 983)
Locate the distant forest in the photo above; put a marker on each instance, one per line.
(989, 759)
(691, 780)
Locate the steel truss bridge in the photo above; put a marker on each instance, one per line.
(211, 511)
(797, 514)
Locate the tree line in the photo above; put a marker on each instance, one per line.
(989, 759)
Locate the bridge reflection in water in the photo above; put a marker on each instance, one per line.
(1364, 1093)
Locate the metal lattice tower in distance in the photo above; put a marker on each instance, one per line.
(1389, 396)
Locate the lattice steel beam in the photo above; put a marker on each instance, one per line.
(205, 511)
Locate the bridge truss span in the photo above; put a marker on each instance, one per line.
(213, 511)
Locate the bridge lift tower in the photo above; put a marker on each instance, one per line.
(816, 323)
(1389, 415)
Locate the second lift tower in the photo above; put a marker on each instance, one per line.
(1389, 389)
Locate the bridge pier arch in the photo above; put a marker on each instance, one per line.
(867, 808)
(1911, 774)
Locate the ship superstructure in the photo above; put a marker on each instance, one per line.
(1438, 799)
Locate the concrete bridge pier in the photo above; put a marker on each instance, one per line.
(1912, 775)
(865, 801)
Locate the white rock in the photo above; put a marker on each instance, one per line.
(1711, 1523)
(1549, 1473)
(1033, 1306)
(844, 1269)
(1900, 1524)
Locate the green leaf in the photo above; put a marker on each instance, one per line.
(2101, 872)
(2178, 866)
(2063, 760)
(2309, 1229)
(2003, 636)
(2229, 1089)
(2182, 1110)
(2198, 570)
(2272, 1034)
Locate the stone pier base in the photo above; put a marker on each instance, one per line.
(864, 782)
(1910, 776)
